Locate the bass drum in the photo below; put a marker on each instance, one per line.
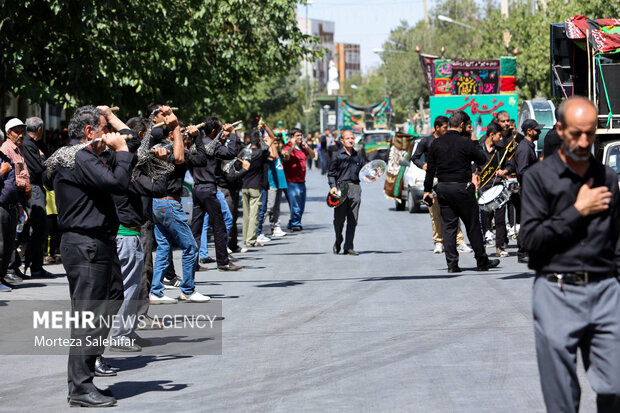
(494, 198)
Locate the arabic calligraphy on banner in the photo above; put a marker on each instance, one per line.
(480, 108)
(355, 117)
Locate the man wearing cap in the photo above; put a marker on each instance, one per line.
(12, 148)
(525, 156)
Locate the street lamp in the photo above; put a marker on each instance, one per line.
(449, 20)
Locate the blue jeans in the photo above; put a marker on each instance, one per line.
(171, 227)
(228, 219)
(261, 213)
(296, 194)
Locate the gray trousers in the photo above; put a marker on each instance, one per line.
(349, 211)
(131, 257)
(274, 199)
(585, 317)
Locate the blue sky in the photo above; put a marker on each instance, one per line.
(365, 22)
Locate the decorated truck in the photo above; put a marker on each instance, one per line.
(585, 61)
(481, 88)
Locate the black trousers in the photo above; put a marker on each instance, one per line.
(96, 285)
(458, 200)
(8, 222)
(500, 225)
(205, 200)
(232, 199)
(36, 228)
(147, 237)
(349, 211)
(53, 232)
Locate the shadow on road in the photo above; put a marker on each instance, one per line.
(280, 285)
(126, 389)
(413, 277)
(138, 362)
(519, 276)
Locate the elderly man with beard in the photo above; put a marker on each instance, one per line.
(571, 228)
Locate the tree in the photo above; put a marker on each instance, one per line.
(201, 55)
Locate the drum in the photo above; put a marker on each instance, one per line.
(494, 198)
(513, 185)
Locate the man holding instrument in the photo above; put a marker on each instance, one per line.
(450, 160)
(493, 169)
(87, 216)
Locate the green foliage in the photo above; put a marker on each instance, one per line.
(528, 23)
(205, 56)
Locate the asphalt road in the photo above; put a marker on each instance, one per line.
(305, 330)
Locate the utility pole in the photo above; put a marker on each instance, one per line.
(426, 19)
(507, 35)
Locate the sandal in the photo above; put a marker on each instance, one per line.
(256, 244)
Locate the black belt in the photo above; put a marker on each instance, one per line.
(106, 236)
(578, 278)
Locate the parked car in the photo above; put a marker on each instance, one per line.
(186, 196)
(375, 144)
(413, 187)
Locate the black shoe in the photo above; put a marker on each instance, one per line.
(489, 264)
(91, 399)
(232, 259)
(454, 269)
(41, 274)
(148, 323)
(524, 259)
(207, 260)
(229, 267)
(13, 278)
(126, 348)
(200, 268)
(172, 284)
(351, 252)
(296, 229)
(236, 249)
(103, 369)
(141, 341)
(336, 249)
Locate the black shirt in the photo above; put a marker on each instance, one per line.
(556, 236)
(422, 150)
(208, 172)
(226, 180)
(525, 156)
(257, 174)
(552, 142)
(34, 160)
(84, 193)
(450, 159)
(176, 178)
(344, 167)
(130, 206)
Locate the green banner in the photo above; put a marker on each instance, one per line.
(480, 108)
(354, 117)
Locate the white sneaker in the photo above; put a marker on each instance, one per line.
(277, 232)
(155, 299)
(5, 288)
(438, 248)
(463, 248)
(229, 250)
(195, 297)
(489, 236)
(262, 239)
(501, 253)
(243, 250)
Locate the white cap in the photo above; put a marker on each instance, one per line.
(13, 123)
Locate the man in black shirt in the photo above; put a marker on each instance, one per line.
(490, 174)
(450, 160)
(345, 167)
(421, 151)
(205, 189)
(87, 216)
(37, 214)
(571, 229)
(552, 139)
(525, 157)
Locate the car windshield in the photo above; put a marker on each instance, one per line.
(613, 158)
(376, 137)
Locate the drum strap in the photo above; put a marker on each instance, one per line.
(488, 171)
(511, 149)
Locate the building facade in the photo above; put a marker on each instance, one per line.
(347, 57)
